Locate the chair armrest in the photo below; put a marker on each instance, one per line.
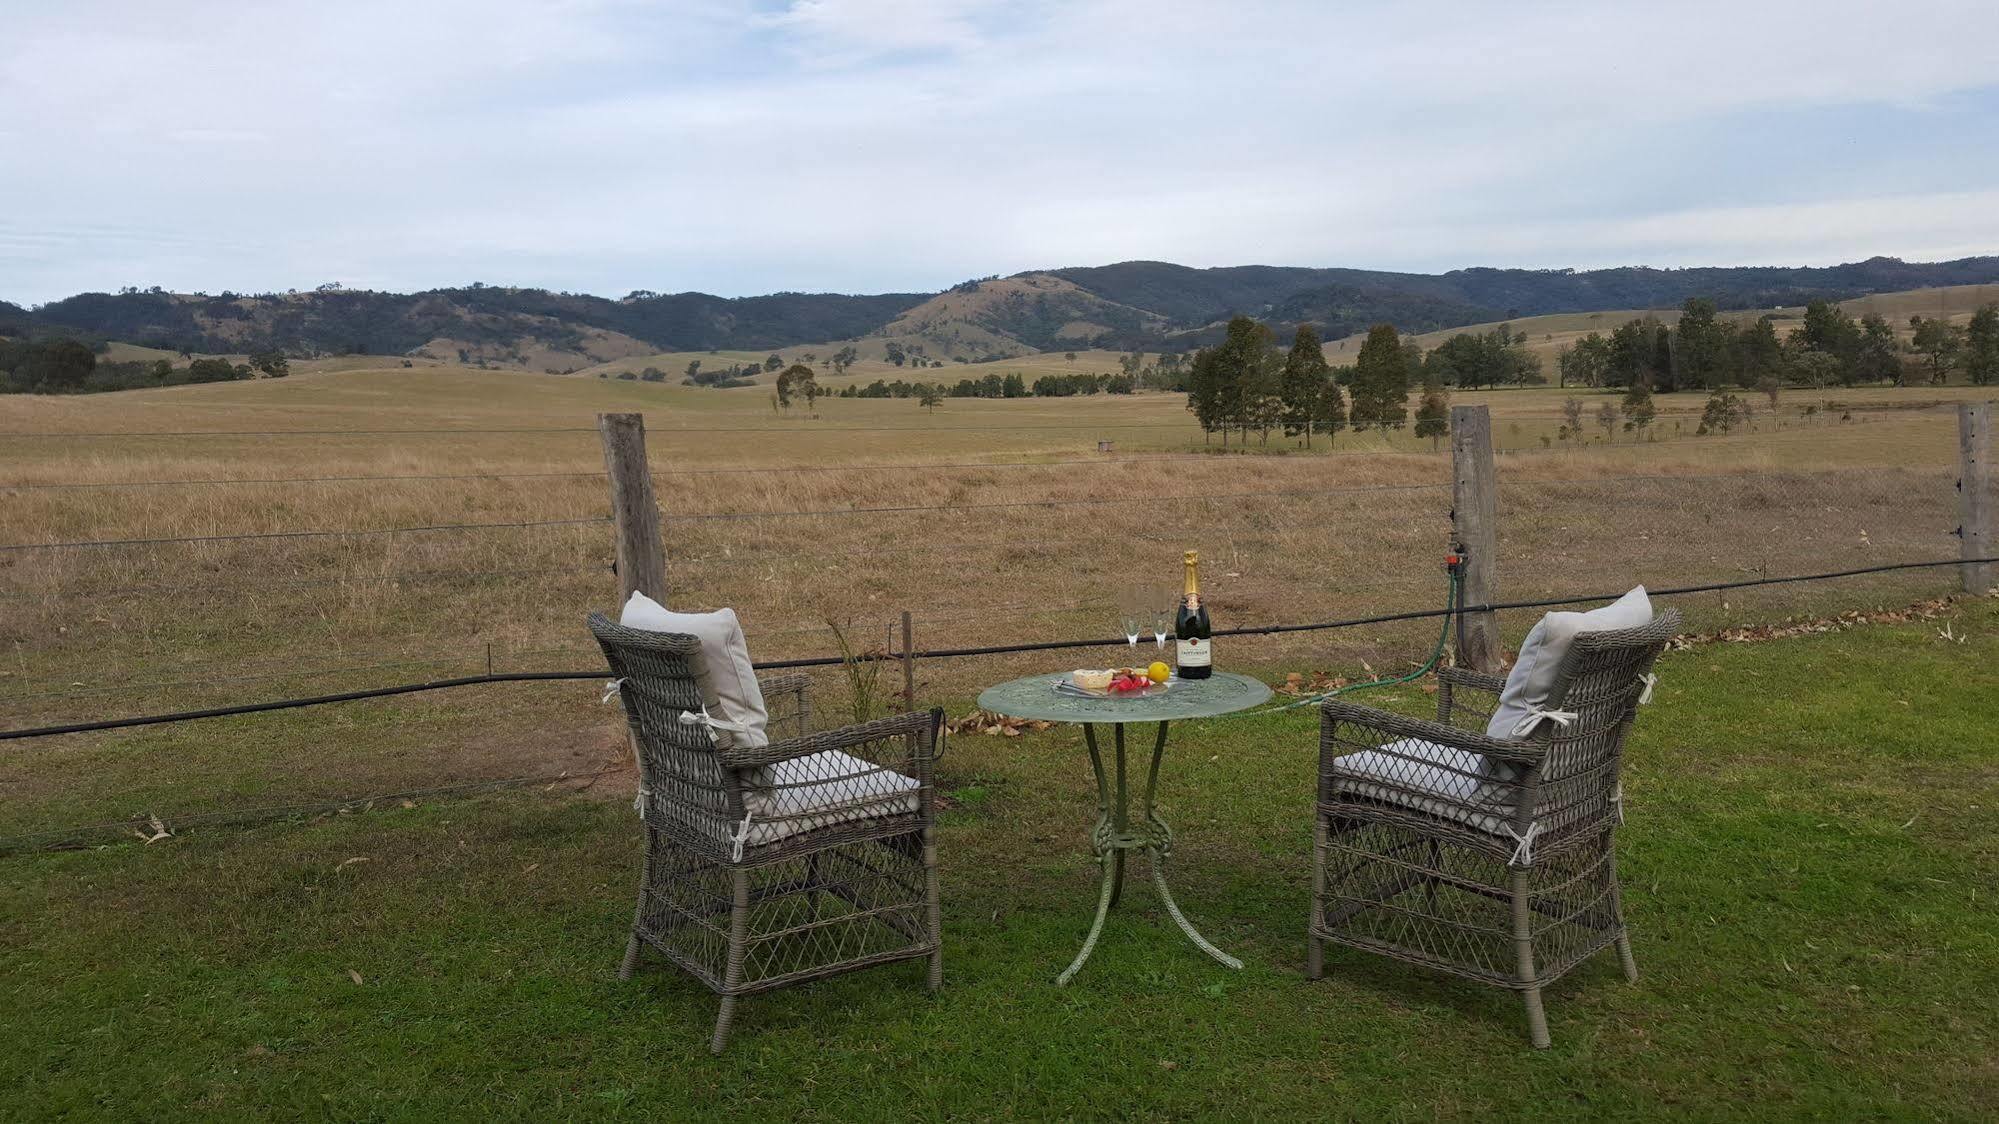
(792, 718)
(1454, 708)
(1476, 680)
(1397, 726)
(922, 723)
(792, 683)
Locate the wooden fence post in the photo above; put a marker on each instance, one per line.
(1475, 523)
(908, 666)
(641, 559)
(1974, 498)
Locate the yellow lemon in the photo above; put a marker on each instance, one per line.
(1158, 672)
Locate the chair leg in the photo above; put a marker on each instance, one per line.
(1537, 1018)
(1624, 956)
(1315, 947)
(732, 973)
(631, 961)
(934, 909)
(1523, 946)
(1617, 914)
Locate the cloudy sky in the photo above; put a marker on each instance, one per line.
(876, 145)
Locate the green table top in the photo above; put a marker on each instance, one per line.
(1035, 697)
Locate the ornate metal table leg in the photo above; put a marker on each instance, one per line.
(1161, 845)
(1117, 831)
(1120, 820)
(1103, 842)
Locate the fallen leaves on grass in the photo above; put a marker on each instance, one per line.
(1299, 683)
(995, 725)
(1928, 610)
(159, 831)
(345, 863)
(355, 976)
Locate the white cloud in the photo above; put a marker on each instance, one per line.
(878, 144)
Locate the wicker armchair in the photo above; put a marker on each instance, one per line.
(805, 858)
(1484, 857)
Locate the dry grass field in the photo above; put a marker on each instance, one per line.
(334, 509)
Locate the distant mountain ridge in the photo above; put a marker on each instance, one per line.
(1127, 305)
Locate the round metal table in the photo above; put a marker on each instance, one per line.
(1117, 830)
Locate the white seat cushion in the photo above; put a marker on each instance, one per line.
(820, 789)
(1431, 778)
(731, 680)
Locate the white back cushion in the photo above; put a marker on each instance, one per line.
(732, 681)
(1533, 676)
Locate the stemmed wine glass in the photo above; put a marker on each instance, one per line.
(1131, 610)
(1164, 602)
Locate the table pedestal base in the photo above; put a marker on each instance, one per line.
(1116, 832)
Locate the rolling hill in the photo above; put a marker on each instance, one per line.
(1130, 305)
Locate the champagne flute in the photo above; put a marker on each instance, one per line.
(1130, 606)
(1163, 604)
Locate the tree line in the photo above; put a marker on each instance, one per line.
(67, 366)
(1702, 352)
(1246, 384)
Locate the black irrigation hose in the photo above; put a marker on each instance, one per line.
(949, 653)
(290, 704)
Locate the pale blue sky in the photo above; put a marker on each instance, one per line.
(879, 145)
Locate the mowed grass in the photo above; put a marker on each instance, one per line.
(1809, 865)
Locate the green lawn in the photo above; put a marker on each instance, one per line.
(1811, 868)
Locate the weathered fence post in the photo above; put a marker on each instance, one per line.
(641, 560)
(1475, 523)
(1974, 498)
(908, 666)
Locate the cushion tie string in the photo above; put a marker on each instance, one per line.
(1650, 682)
(703, 718)
(639, 801)
(1617, 800)
(1528, 724)
(1523, 845)
(611, 690)
(738, 838)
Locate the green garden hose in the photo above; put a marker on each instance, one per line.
(1436, 655)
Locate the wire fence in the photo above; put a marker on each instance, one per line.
(140, 612)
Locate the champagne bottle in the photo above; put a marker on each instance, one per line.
(1193, 654)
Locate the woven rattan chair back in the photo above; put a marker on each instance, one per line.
(1599, 681)
(681, 780)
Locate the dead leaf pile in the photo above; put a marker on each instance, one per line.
(995, 725)
(1299, 683)
(1928, 610)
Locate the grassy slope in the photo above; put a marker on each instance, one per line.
(1809, 866)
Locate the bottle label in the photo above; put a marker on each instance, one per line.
(1193, 653)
